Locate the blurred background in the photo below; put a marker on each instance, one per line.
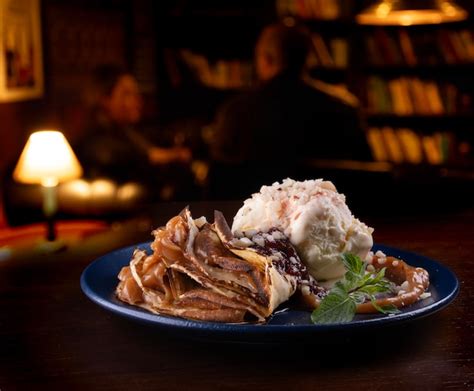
(412, 79)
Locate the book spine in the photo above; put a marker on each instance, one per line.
(377, 145)
(407, 49)
(407, 146)
(322, 51)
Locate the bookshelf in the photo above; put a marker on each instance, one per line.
(198, 63)
(329, 58)
(220, 74)
(332, 28)
(415, 86)
(414, 83)
(205, 53)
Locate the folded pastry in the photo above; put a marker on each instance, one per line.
(201, 271)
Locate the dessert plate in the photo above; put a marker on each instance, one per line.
(99, 280)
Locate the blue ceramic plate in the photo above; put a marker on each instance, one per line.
(99, 279)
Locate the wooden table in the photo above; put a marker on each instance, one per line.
(54, 338)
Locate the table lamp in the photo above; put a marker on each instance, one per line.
(47, 159)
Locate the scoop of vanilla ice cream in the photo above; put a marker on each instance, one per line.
(315, 218)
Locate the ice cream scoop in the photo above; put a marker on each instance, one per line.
(316, 219)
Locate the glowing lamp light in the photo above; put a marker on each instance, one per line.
(411, 12)
(47, 159)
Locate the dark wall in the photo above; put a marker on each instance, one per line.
(76, 37)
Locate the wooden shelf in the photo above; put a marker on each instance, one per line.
(464, 171)
(329, 25)
(417, 69)
(334, 69)
(461, 121)
(420, 27)
(467, 116)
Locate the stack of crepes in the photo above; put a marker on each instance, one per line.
(201, 271)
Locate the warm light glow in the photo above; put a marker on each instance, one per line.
(382, 10)
(76, 188)
(128, 191)
(103, 188)
(47, 159)
(403, 13)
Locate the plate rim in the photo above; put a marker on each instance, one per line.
(167, 321)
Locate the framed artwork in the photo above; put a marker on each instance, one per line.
(21, 60)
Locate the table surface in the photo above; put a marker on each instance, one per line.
(54, 337)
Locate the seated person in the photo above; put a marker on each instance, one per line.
(263, 135)
(113, 144)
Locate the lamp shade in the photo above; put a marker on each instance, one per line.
(47, 159)
(412, 12)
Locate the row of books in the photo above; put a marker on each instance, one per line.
(329, 53)
(415, 96)
(419, 48)
(402, 145)
(222, 74)
(237, 74)
(314, 9)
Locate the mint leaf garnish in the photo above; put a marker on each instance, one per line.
(336, 307)
(386, 309)
(356, 287)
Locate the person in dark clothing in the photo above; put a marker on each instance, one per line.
(114, 145)
(265, 134)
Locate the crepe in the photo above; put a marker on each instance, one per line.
(202, 271)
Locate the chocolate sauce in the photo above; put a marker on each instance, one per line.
(284, 257)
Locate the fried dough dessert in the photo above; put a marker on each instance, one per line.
(201, 271)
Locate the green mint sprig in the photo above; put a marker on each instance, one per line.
(356, 287)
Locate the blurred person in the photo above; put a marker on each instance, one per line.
(263, 135)
(114, 144)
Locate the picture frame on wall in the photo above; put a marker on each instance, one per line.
(21, 57)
